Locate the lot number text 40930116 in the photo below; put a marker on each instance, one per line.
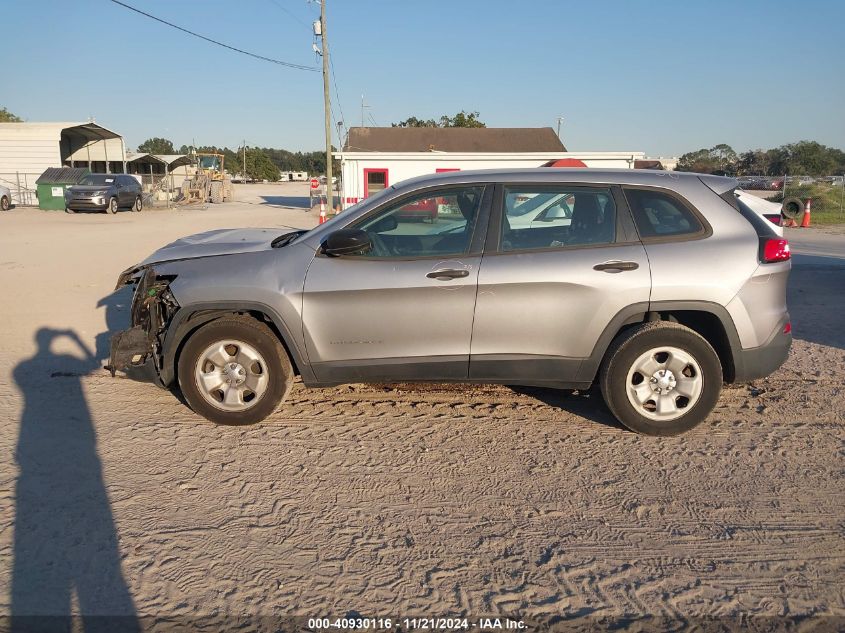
(423, 623)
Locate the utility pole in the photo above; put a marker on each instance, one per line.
(244, 166)
(327, 105)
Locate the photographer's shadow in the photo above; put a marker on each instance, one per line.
(65, 541)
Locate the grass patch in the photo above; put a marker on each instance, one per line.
(828, 203)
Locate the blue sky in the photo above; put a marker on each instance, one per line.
(659, 76)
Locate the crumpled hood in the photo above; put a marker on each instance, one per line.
(218, 242)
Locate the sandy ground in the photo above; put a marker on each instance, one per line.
(401, 500)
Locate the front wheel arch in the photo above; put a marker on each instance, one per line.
(189, 319)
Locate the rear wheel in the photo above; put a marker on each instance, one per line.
(661, 378)
(112, 206)
(139, 205)
(217, 192)
(234, 371)
(5, 203)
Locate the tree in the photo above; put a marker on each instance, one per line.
(461, 119)
(720, 159)
(8, 117)
(259, 166)
(415, 122)
(157, 145)
(751, 163)
(699, 161)
(808, 158)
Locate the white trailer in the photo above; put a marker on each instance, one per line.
(365, 173)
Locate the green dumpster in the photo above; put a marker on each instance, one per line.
(51, 185)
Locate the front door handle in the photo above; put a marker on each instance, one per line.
(447, 274)
(616, 266)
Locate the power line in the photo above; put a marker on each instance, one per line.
(291, 14)
(337, 94)
(208, 39)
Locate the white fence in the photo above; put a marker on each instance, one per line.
(22, 187)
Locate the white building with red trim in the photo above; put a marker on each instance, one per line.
(376, 158)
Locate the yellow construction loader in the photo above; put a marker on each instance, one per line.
(210, 183)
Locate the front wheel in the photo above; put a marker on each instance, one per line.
(112, 206)
(234, 370)
(661, 378)
(5, 203)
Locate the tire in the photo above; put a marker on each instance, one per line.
(254, 356)
(231, 189)
(217, 192)
(693, 366)
(792, 208)
(112, 205)
(5, 203)
(139, 205)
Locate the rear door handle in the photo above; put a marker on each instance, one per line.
(616, 266)
(447, 274)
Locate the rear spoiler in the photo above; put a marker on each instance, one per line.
(722, 187)
(719, 184)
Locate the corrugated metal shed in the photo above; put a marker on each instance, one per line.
(27, 149)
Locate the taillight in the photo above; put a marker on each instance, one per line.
(774, 250)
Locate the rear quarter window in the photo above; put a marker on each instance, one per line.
(660, 215)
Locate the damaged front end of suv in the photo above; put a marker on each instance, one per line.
(137, 351)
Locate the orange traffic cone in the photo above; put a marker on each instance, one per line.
(806, 221)
(322, 211)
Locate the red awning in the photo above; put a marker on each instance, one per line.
(565, 162)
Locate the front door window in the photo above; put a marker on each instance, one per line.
(437, 223)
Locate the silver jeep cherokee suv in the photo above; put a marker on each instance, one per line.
(659, 286)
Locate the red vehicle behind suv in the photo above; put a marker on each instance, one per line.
(425, 209)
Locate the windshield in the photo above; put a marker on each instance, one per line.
(209, 162)
(97, 179)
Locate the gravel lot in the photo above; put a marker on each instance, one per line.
(391, 501)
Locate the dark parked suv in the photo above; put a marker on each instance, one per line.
(104, 192)
(658, 286)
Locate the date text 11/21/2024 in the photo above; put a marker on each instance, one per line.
(423, 623)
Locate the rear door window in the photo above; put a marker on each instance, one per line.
(659, 214)
(556, 217)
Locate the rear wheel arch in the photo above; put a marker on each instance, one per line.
(189, 319)
(710, 320)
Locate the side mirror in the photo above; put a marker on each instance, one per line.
(347, 242)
